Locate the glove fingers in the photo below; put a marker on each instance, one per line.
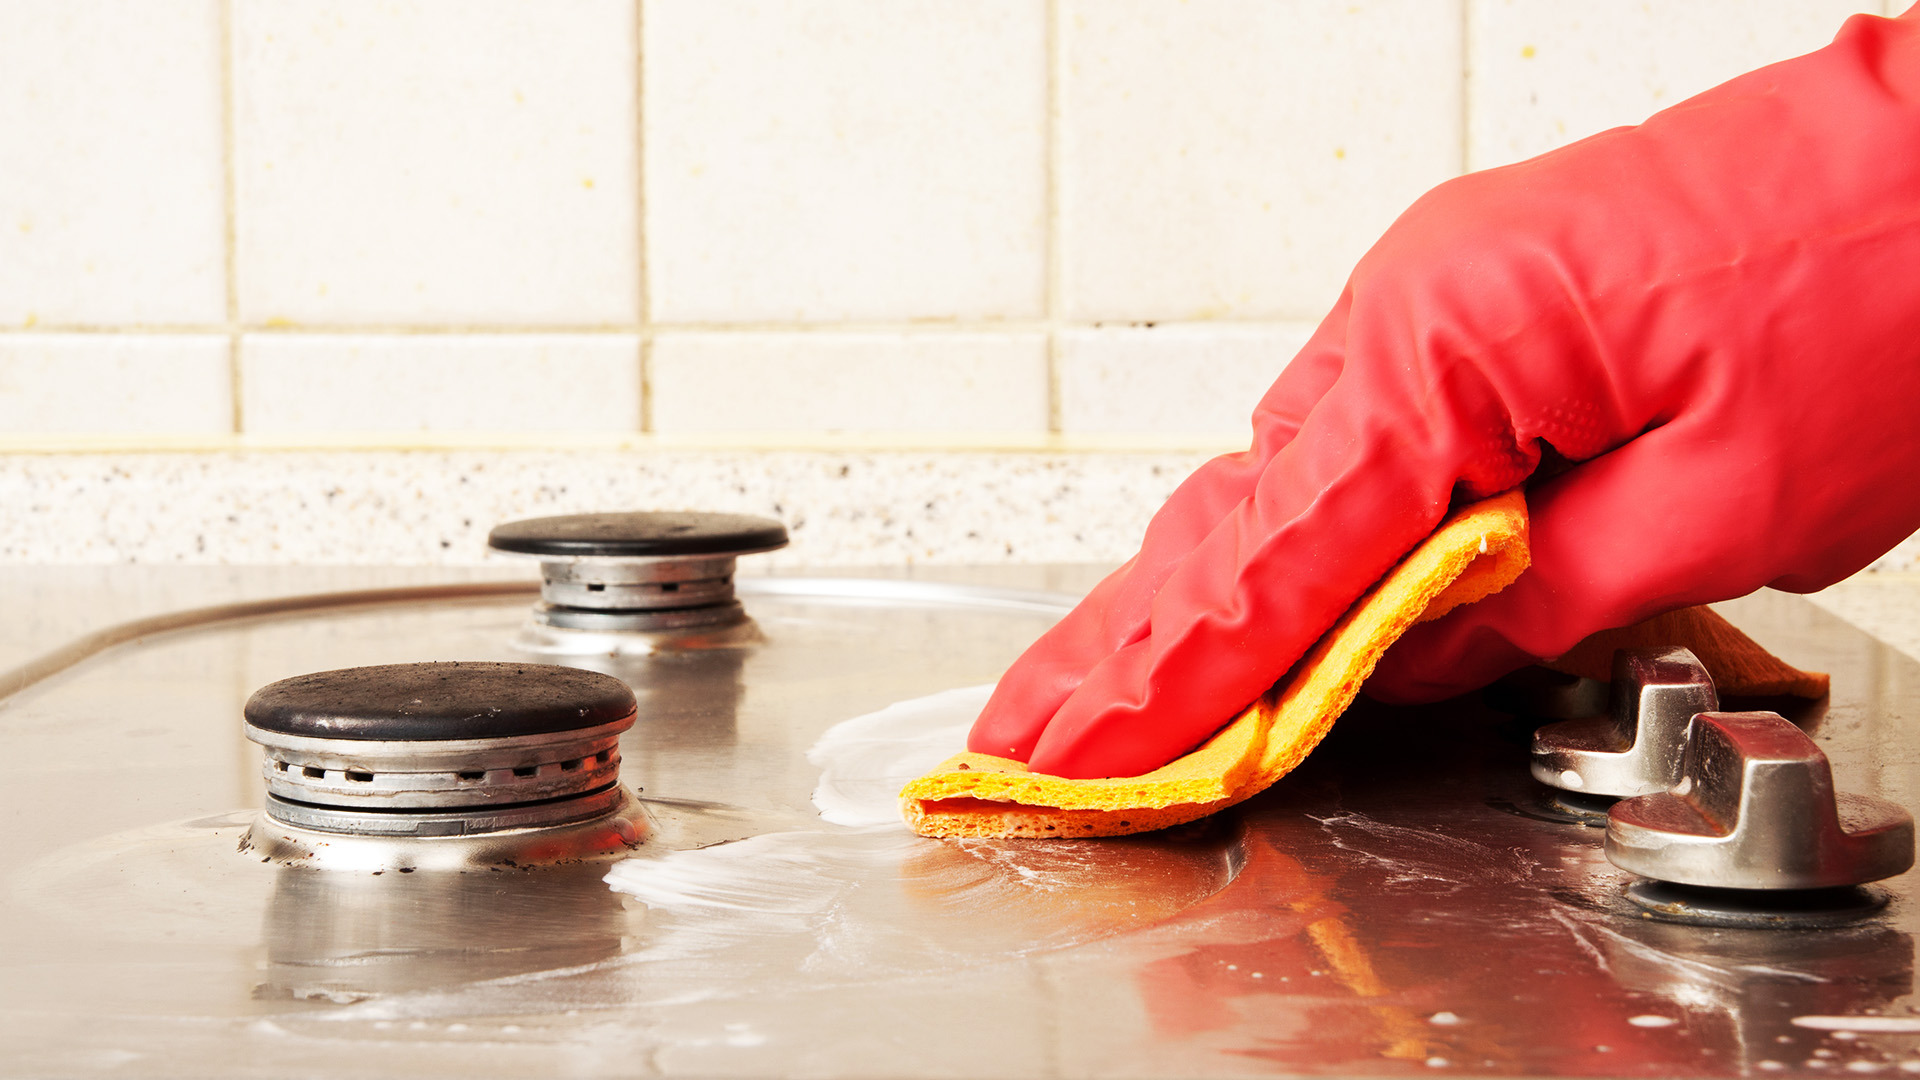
(1053, 667)
(1614, 541)
(1370, 473)
(1332, 513)
(1116, 613)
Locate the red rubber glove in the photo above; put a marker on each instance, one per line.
(1717, 313)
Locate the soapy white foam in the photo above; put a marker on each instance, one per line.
(865, 761)
(814, 887)
(792, 873)
(852, 898)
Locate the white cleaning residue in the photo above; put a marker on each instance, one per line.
(857, 895)
(865, 761)
(849, 898)
(769, 886)
(813, 884)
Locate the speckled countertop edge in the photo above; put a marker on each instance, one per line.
(434, 507)
(414, 509)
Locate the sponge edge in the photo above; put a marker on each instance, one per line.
(1474, 553)
(1738, 664)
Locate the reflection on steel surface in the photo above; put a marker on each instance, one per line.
(1393, 907)
(343, 938)
(16, 679)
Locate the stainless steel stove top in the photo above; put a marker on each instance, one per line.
(1402, 904)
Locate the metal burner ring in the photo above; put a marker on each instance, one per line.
(524, 755)
(642, 621)
(375, 775)
(455, 822)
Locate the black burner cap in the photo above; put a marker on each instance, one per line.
(640, 533)
(439, 701)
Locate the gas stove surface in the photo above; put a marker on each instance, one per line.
(1406, 902)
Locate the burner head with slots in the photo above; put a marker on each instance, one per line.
(519, 761)
(668, 574)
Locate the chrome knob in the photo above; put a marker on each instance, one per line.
(1637, 748)
(1754, 808)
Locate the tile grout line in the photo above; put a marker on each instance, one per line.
(1466, 86)
(643, 269)
(1055, 283)
(230, 221)
(509, 440)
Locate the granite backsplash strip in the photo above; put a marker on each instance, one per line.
(421, 508)
(843, 508)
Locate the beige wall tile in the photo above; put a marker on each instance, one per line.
(1545, 73)
(176, 384)
(320, 383)
(110, 175)
(1170, 379)
(845, 159)
(464, 161)
(1233, 158)
(833, 382)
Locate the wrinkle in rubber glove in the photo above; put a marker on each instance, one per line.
(1713, 315)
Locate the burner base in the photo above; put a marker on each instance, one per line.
(605, 837)
(1755, 909)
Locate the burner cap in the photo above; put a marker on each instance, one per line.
(433, 702)
(639, 534)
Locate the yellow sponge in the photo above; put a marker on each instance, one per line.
(1474, 553)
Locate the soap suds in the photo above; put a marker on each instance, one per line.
(865, 761)
(858, 896)
(799, 904)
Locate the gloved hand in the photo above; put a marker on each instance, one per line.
(1715, 315)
